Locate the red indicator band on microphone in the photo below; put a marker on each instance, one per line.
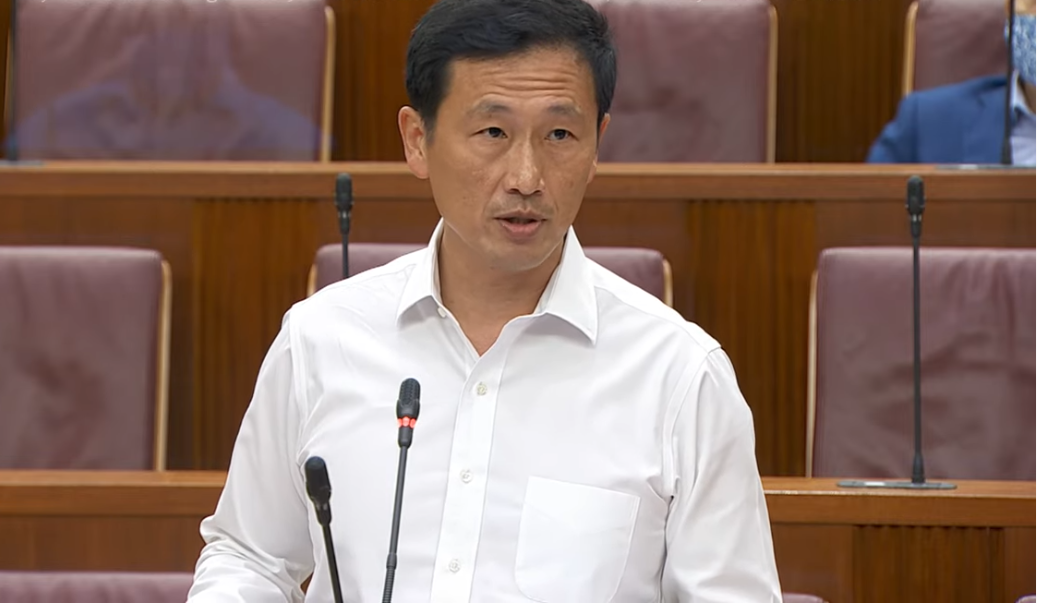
(408, 422)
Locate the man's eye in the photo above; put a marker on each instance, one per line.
(559, 134)
(493, 132)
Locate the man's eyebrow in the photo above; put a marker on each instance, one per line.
(488, 108)
(491, 108)
(564, 110)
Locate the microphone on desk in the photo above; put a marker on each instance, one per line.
(344, 205)
(318, 487)
(407, 407)
(915, 208)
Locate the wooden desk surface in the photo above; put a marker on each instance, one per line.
(848, 545)
(644, 181)
(790, 500)
(742, 240)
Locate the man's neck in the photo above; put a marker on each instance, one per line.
(482, 298)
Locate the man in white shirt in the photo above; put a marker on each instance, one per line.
(579, 442)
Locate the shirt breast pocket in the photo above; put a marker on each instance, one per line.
(573, 541)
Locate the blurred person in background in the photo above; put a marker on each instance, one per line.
(964, 122)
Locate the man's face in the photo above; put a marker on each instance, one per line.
(513, 149)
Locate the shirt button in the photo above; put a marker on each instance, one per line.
(454, 566)
(442, 312)
(481, 389)
(466, 476)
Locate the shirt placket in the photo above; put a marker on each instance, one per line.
(467, 478)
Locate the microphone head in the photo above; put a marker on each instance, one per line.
(318, 486)
(409, 403)
(915, 195)
(344, 192)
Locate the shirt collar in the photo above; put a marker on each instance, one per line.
(1019, 106)
(569, 294)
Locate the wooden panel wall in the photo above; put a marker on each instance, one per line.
(839, 69)
(742, 241)
(839, 65)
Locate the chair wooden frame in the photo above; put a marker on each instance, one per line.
(162, 370)
(910, 25)
(772, 86)
(328, 92)
(8, 84)
(327, 102)
(811, 375)
(311, 281)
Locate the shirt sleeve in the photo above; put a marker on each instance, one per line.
(718, 535)
(257, 544)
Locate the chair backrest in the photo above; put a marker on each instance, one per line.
(646, 268)
(94, 587)
(84, 340)
(977, 348)
(950, 41)
(173, 80)
(695, 81)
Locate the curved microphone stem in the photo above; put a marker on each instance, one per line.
(390, 562)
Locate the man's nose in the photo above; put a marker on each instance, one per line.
(525, 176)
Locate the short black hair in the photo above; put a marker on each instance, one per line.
(486, 29)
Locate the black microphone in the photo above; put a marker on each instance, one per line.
(915, 208)
(1006, 140)
(344, 205)
(407, 407)
(318, 487)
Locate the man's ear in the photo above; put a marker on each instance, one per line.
(601, 133)
(415, 141)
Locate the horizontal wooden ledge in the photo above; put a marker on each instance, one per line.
(110, 493)
(970, 504)
(376, 180)
(790, 500)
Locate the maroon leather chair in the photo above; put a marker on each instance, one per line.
(695, 83)
(977, 343)
(950, 41)
(173, 80)
(94, 587)
(646, 268)
(84, 339)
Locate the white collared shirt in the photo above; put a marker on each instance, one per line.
(599, 451)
